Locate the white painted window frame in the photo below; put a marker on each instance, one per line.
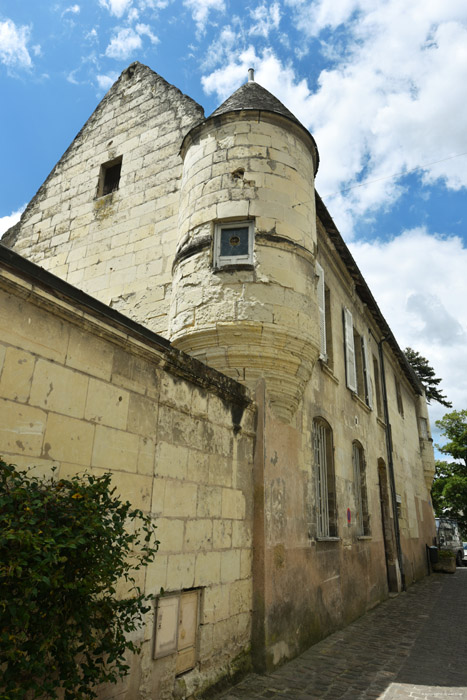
(367, 373)
(221, 261)
(321, 294)
(350, 366)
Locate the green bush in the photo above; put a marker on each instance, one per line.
(446, 554)
(64, 545)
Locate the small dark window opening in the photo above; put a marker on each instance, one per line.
(109, 178)
(400, 405)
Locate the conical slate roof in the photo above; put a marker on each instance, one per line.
(254, 96)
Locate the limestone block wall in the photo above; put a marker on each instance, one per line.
(82, 389)
(118, 247)
(261, 321)
(312, 585)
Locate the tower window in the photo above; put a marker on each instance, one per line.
(233, 244)
(109, 176)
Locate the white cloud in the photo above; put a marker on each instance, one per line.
(154, 4)
(71, 77)
(392, 99)
(133, 15)
(392, 102)
(420, 284)
(266, 17)
(145, 30)
(73, 9)
(223, 47)
(105, 82)
(10, 220)
(92, 35)
(123, 44)
(13, 45)
(224, 81)
(116, 7)
(200, 10)
(128, 40)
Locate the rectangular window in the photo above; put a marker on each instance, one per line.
(233, 244)
(361, 499)
(324, 310)
(357, 363)
(320, 291)
(400, 405)
(177, 628)
(368, 398)
(424, 428)
(357, 342)
(325, 480)
(327, 307)
(350, 367)
(379, 399)
(109, 176)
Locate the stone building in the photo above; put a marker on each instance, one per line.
(179, 308)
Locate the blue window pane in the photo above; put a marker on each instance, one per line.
(234, 241)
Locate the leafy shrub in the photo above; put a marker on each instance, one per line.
(64, 545)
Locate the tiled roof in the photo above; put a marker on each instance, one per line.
(253, 96)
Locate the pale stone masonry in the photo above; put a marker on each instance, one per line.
(277, 433)
(82, 393)
(116, 246)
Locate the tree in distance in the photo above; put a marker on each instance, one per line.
(426, 375)
(449, 491)
(64, 546)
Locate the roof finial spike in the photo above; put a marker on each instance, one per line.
(251, 75)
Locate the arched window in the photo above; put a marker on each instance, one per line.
(361, 498)
(325, 479)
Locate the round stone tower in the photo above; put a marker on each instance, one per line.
(244, 283)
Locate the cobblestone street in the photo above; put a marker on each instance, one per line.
(411, 646)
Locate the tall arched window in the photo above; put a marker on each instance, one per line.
(361, 497)
(325, 479)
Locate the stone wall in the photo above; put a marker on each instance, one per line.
(308, 586)
(84, 389)
(118, 247)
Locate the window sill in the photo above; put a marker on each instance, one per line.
(327, 539)
(364, 537)
(233, 268)
(360, 401)
(381, 422)
(327, 370)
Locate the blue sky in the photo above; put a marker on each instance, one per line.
(381, 84)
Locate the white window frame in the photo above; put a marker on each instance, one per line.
(350, 366)
(367, 373)
(221, 261)
(321, 294)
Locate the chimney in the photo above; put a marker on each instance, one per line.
(251, 75)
